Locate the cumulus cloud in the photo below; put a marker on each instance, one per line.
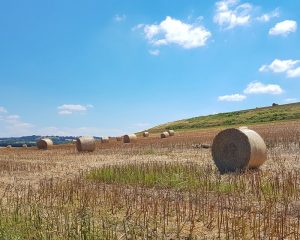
(292, 73)
(290, 67)
(174, 31)
(230, 14)
(268, 16)
(284, 28)
(279, 66)
(260, 88)
(232, 98)
(120, 18)
(68, 109)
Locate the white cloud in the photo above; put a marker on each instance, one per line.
(290, 67)
(290, 100)
(3, 110)
(284, 28)
(65, 112)
(292, 73)
(173, 31)
(279, 66)
(68, 109)
(12, 125)
(230, 14)
(232, 98)
(120, 18)
(154, 52)
(260, 88)
(268, 16)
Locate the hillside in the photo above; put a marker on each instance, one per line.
(244, 117)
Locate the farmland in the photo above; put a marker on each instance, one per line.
(151, 189)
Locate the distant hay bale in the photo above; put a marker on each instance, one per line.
(165, 135)
(24, 146)
(238, 150)
(146, 134)
(85, 144)
(171, 133)
(129, 138)
(44, 144)
(8, 146)
(104, 140)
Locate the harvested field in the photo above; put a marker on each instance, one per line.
(151, 189)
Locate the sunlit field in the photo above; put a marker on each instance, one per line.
(152, 189)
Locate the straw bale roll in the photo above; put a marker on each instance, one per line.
(145, 134)
(171, 133)
(164, 135)
(238, 150)
(129, 138)
(85, 144)
(44, 144)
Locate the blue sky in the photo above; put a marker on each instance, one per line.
(113, 67)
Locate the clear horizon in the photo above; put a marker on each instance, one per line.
(71, 68)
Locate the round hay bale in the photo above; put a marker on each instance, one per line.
(129, 138)
(85, 144)
(146, 134)
(44, 144)
(24, 146)
(104, 140)
(171, 133)
(238, 150)
(9, 146)
(165, 135)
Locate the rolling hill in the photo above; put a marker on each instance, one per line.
(275, 113)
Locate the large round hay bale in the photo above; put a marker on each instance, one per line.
(171, 133)
(9, 146)
(146, 134)
(238, 150)
(85, 144)
(24, 146)
(129, 138)
(44, 144)
(165, 135)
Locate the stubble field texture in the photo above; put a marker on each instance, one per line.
(151, 189)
